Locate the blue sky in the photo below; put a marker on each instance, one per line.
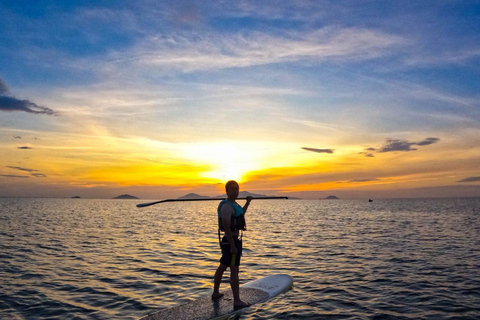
(160, 97)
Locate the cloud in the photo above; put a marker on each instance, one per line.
(427, 141)
(8, 103)
(38, 175)
(364, 180)
(470, 179)
(213, 51)
(13, 176)
(318, 150)
(394, 145)
(22, 169)
(17, 137)
(3, 87)
(25, 148)
(14, 104)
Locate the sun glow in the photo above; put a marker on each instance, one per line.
(227, 160)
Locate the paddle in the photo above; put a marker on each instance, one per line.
(141, 205)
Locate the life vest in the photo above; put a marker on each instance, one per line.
(238, 218)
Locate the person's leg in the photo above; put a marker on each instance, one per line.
(224, 263)
(217, 280)
(234, 283)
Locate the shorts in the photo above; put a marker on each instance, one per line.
(227, 258)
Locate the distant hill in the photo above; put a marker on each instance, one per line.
(193, 196)
(76, 197)
(331, 198)
(125, 196)
(243, 194)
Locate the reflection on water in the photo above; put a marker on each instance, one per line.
(106, 259)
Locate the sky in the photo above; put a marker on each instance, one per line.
(362, 99)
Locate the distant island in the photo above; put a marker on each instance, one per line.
(76, 197)
(193, 196)
(332, 198)
(242, 194)
(125, 196)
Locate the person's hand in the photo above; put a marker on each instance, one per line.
(249, 198)
(233, 249)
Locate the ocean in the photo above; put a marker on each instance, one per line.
(350, 259)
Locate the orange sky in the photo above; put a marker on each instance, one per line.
(282, 98)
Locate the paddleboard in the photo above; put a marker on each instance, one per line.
(204, 308)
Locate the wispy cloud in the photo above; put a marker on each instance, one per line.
(470, 179)
(33, 172)
(364, 180)
(12, 176)
(190, 52)
(318, 150)
(22, 169)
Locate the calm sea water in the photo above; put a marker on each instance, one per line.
(106, 259)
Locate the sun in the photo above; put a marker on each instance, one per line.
(227, 160)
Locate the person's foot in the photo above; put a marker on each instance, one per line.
(240, 304)
(216, 296)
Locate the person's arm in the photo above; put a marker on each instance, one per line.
(227, 213)
(245, 207)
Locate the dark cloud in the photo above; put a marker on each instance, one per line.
(21, 169)
(397, 145)
(427, 141)
(13, 176)
(38, 175)
(14, 104)
(470, 179)
(25, 148)
(33, 172)
(318, 150)
(364, 180)
(394, 145)
(9, 103)
(369, 153)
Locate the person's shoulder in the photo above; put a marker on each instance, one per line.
(227, 207)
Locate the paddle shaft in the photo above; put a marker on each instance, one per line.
(141, 205)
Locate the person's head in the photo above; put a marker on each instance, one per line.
(232, 189)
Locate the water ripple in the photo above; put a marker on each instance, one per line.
(103, 259)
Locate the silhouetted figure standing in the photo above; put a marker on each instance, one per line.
(231, 220)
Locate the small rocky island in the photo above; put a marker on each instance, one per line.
(332, 198)
(125, 196)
